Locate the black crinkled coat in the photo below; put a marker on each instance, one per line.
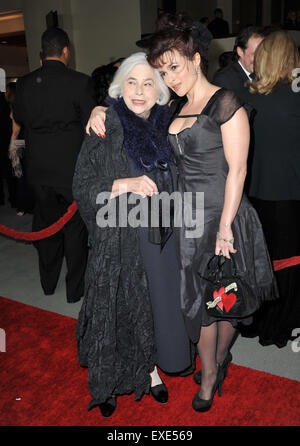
(114, 332)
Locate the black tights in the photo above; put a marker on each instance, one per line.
(213, 346)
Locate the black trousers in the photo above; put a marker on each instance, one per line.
(7, 175)
(71, 242)
(24, 193)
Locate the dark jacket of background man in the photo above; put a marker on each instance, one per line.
(236, 74)
(232, 77)
(53, 103)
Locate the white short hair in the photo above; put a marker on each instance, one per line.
(115, 89)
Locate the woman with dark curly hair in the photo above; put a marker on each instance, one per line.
(210, 139)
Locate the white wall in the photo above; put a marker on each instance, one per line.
(148, 10)
(217, 47)
(35, 12)
(104, 30)
(226, 6)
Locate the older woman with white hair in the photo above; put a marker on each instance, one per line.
(130, 321)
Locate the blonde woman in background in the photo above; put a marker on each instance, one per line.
(274, 183)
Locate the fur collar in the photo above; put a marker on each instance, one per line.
(145, 140)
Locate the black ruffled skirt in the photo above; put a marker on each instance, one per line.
(252, 261)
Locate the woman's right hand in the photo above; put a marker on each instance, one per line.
(96, 121)
(142, 185)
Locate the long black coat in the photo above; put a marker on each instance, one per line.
(232, 77)
(114, 332)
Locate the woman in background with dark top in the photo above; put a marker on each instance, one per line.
(218, 26)
(291, 21)
(5, 165)
(17, 155)
(274, 182)
(102, 78)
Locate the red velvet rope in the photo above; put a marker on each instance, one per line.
(281, 264)
(44, 233)
(53, 229)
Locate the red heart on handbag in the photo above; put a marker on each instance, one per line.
(228, 300)
(217, 294)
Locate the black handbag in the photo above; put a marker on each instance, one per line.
(226, 294)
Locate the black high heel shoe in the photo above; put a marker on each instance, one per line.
(225, 365)
(201, 405)
(160, 393)
(108, 407)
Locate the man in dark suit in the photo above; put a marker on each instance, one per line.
(53, 104)
(236, 74)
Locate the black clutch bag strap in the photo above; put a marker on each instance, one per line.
(215, 268)
(227, 294)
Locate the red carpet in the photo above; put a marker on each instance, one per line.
(42, 384)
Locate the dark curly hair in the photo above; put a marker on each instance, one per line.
(101, 79)
(179, 32)
(54, 40)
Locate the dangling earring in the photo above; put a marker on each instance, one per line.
(197, 70)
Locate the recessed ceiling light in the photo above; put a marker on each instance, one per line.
(4, 41)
